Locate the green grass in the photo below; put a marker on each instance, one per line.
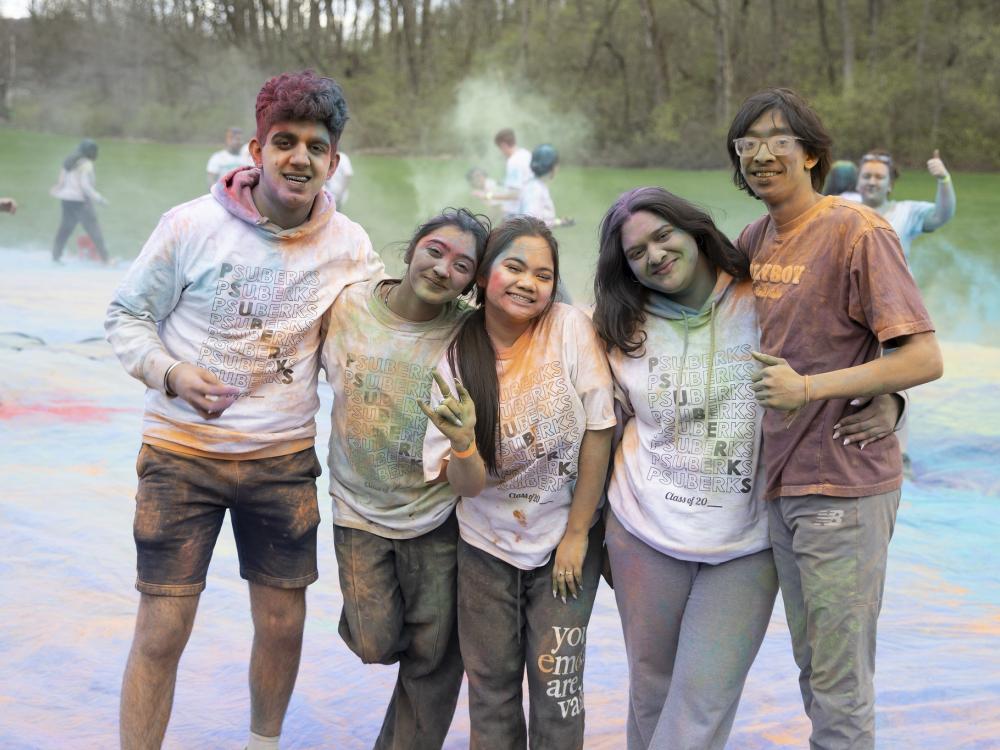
(957, 267)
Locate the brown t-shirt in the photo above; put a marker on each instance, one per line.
(830, 287)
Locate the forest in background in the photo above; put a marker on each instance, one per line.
(623, 82)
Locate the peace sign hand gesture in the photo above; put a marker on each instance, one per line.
(455, 416)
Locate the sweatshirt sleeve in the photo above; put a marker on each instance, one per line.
(146, 296)
(88, 183)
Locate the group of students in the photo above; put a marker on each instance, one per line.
(474, 421)
(525, 188)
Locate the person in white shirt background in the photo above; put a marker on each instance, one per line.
(235, 154)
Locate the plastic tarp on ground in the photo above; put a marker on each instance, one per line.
(69, 434)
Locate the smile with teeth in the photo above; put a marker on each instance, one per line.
(299, 178)
(765, 174)
(520, 298)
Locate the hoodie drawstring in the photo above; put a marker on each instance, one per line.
(711, 369)
(711, 374)
(680, 380)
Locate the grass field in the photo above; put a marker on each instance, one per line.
(957, 267)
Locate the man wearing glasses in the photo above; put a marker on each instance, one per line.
(831, 287)
(910, 219)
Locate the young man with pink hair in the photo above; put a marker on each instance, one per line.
(220, 317)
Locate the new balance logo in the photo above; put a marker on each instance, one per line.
(829, 518)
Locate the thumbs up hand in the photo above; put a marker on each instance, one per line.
(777, 386)
(936, 167)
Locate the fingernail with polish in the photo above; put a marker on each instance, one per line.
(836, 434)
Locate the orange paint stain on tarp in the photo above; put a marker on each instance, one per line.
(989, 625)
(68, 411)
(783, 739)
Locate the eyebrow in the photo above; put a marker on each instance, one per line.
(665, 225)
(452, 248)
(293, 136)
(521, 259)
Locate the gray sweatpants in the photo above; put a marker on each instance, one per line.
(691, 631)
(509, 623)
(831, 556)
(399, 605)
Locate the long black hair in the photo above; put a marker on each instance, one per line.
(619, 297)
(86, 150)
(471, 355)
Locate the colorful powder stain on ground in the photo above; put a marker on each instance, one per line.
(69, 439)
(67, 411)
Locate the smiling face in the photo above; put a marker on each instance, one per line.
(441, 266)
(874, 183)
(295, 161)
(777, 179)
(666, 259)
(520, 283)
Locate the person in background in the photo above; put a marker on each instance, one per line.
(535, 198)
(529, 556)
(910, 219)
(221, 317)
(843, 181)
(77, 191)
(831, 288)
(340, 181)
(395, 535)
(233, 155)
(518, 172)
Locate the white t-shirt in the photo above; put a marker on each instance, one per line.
(687, 477)
(554, 386)
(222, 162)
(380, 366)
(338, 182)
(517, 174)
(907, 218)
(536, 200)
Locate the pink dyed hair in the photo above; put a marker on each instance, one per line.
(301, 97)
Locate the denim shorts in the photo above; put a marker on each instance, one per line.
(181, 503)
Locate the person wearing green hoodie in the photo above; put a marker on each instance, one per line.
(220, 316)
(687, 527)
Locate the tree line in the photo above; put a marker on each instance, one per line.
(656, 81)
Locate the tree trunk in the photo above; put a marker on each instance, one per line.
(626, 86)
(376, 26)
(723, 62)
(426, 34)
(410, 43)
(656, 47)
(824, 43)
(847, 34)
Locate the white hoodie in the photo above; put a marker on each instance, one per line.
(687, 478)
(219, 285)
